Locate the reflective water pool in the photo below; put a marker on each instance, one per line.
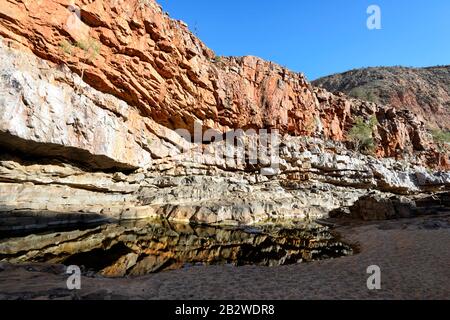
(141, 247)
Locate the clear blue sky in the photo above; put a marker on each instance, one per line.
(321, 37)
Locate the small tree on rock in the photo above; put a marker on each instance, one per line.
(361, 134)
(441, 138)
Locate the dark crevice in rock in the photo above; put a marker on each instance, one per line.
(82, 157)
(21, 223)
(71, 185)
(375, 206)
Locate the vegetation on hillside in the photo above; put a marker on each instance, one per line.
(89, 46)
(422, 91)
(363, 94)
(441, 138)
(361, 134)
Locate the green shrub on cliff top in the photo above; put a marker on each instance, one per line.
(361, 134)
(441, 138)
(90, 47)
(66, 47)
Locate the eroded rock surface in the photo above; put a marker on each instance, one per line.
(379, 207)
(309, 183)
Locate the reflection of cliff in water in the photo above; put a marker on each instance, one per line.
(145, 247)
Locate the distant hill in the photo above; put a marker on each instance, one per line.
(424, 91)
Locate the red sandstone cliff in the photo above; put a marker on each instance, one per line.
(158, 66)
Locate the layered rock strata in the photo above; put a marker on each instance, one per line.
(85, 140)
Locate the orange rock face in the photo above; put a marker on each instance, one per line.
(158, 66)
